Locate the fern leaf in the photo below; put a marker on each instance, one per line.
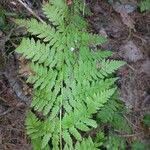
(42, 30)
(33, 124)
(109, 66)
(104, 96)
(45, 140)
(55, 141)
(87, 144)
(75, 133)
(70, 78)
(67, 138)
(90, 122)
(37, 144)
(115, 142)
(106, 113)
(99, 55)
(56, 12)
(144, 5)
(34, 50)
(120, 123)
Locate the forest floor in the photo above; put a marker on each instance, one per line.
(128, 34)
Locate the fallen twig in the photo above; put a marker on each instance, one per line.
(129, 135)
(130, 122)
(11, 109)
(1, 98)
(30, 10)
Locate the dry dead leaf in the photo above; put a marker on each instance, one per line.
(69, 2)
(126, 19)
(25, 69)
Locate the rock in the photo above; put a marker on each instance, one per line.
(130, 52)
(127, 8)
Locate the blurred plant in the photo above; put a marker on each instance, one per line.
(138, 145)
(5, 25)
(2, 18)
(144, 5)
(146, 119)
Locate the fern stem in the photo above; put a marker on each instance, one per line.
(60, 127)
(30, 10)
(60, 117)
(84, 8)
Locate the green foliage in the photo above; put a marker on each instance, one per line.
(2, 18)
(144, 5)
(86, 144)
(115, 142)
(71, 81)
(5, 25)
(138, 145)
(120, 123)
(146, 119)
(112, 114)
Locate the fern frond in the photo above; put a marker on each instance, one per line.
(137, 145)
(80, 118)
(99, 55)
(36, 51)
(111, 113)
(86, 144)
(108, 67)
(56, 11)
(33, 125)
(106, 113)
(115, 142)
(144, 5)
(69, 78)
(42, 77)
(42, 30)
(41, 131)
(120, 123)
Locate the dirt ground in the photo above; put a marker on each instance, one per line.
(128, 34)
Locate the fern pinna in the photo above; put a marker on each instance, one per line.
(71, 79)
(144, 5)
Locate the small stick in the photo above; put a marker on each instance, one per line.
(30, 10)
(11, 109)
(84, 8)
(131, 122)
(2, 99)
(129, 135)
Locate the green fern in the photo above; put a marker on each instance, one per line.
(87, 144)
(71, 81)
(139, 145)
(146, 119)
(144, 5)
(111, 114)
(115, 142)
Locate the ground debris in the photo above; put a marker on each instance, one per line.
(131, 52)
